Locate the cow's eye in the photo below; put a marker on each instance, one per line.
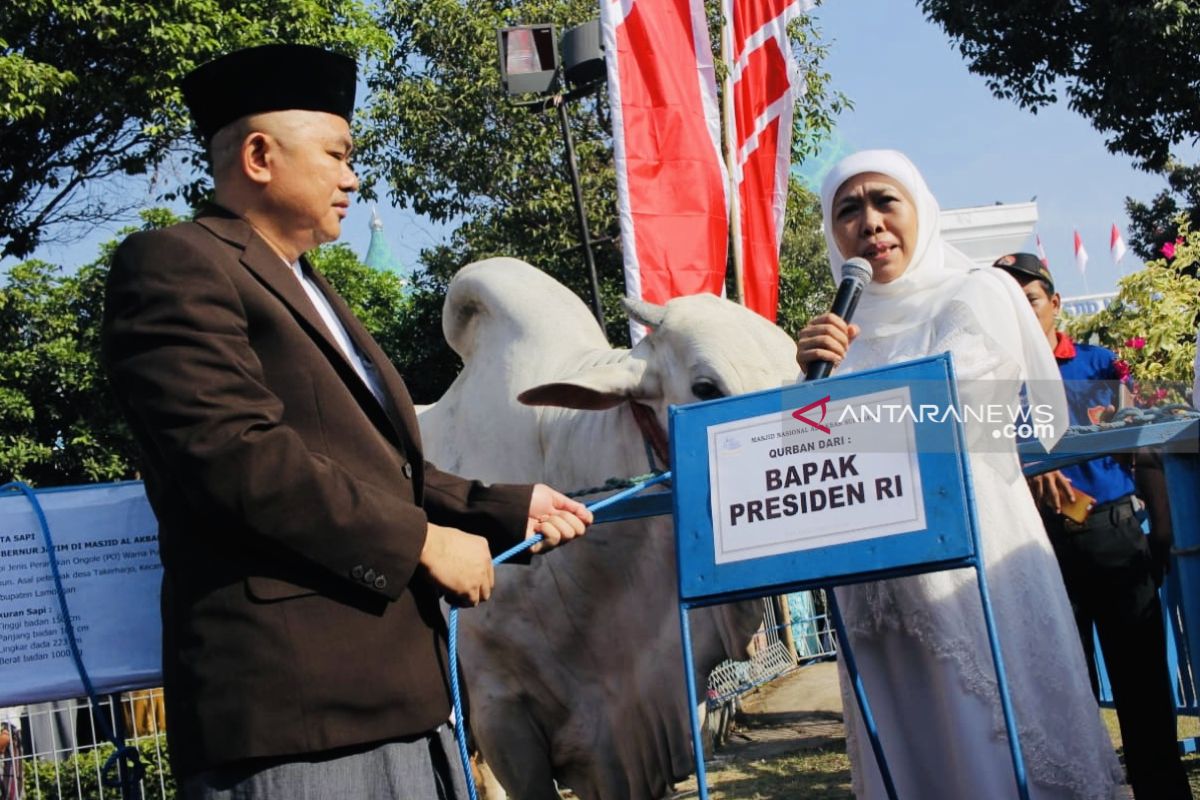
(705, 389)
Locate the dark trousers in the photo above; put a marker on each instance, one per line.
(425, 768)
(1106, 567)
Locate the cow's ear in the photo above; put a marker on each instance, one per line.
(594, 389)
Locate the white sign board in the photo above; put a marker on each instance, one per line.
(826, 475)
(106, 541)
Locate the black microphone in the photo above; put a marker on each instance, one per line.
(856, 274)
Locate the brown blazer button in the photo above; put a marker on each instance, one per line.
(369, 576)
(381, 582)
(356, 572)
(407, 470)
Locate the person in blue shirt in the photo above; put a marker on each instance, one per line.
(1109, 567)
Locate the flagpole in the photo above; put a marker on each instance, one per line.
(734, 205)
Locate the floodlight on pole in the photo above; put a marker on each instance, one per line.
(583, 55)
(528, 59)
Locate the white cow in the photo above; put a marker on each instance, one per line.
(573, 669)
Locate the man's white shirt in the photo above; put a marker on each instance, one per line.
(361, 364)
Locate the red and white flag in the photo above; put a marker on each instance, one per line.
(1037, 238)
(671, 181)
(1116, 245)
(761, 89)
(1081, 256)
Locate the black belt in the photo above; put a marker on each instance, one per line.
(1113, 512)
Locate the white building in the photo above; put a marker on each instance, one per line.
(985, 233)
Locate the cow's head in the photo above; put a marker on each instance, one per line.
(701, 347)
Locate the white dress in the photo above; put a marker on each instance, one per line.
(920, 642)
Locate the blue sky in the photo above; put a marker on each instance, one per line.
(912, 92)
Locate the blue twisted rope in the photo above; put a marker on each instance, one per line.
(460, 726)
(128, 753)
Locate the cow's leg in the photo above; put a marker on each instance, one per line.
(488, 786)
(516, 751)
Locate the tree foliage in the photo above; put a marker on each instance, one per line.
(448, 143)
(1153, 225)
(78, 776)
(89, 93)
(806, 286)
(1151, 325)
(57, 423)
(1130, 67)
(451, 146)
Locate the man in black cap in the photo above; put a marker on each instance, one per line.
(304, 539)
(1110, 569)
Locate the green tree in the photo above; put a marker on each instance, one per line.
(448, 143)
(89, 93)
(1124, 65)
(1154, 224)
(57, 424)
(806, 286)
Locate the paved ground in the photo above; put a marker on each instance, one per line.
(800, 711)
(803, 711)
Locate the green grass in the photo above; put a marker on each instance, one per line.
(813, 775)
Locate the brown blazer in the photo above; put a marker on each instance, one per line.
(292, 505)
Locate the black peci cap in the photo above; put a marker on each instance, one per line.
(1027, 265)
(271, 77)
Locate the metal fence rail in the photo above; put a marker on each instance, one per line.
(811, 633)
(55, 751)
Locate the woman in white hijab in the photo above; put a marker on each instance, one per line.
(920, 642)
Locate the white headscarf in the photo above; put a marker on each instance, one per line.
(937, 273)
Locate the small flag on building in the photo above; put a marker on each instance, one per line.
(1081, 256)
(1116, 245)
(1041, 250)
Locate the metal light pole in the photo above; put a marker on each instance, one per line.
(577, 190)
(529, 63)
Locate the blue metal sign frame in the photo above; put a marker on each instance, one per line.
(948, 540)
(945, 541)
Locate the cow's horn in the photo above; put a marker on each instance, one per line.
(645, 313)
